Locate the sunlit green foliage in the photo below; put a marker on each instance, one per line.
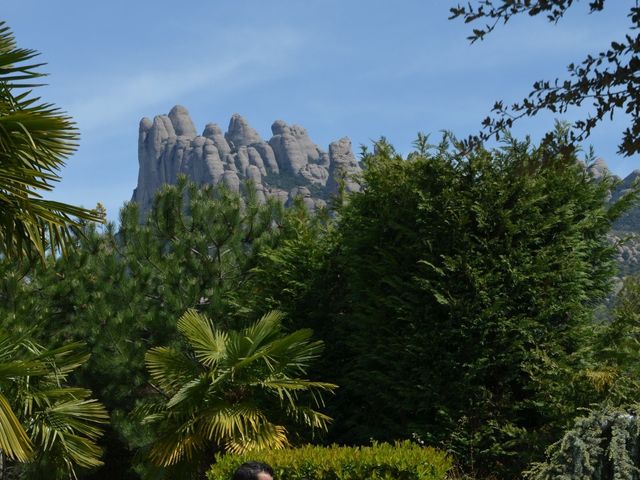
(35, 140)
(47, 427)
(230, 390)
(605, 445)
(404, 460)
(455, 296)
(122, 290)
(617, 348)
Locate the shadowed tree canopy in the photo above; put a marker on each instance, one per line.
(457, 300)
(609, 81)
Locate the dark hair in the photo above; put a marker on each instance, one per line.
(250, 471)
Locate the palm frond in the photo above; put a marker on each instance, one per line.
(81, 452)
(55, 421)
(176, 445)
(295, 384)
(309, 416)
(243, 347)
(240, 379)
(169, 368)
(12, 59)
(193, 390)
(232, 420)
(14, 441)
(268, 327)
(295, 352)
(35, 140)
(208, 344)
(68, 429)
(19, 368)
(272, 437)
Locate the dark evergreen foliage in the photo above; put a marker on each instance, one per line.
(617, 348)
(457, 298)
(455, 295)
(122, 291)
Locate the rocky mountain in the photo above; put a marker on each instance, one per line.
(626, 230)
(286, 166)
(289, 165)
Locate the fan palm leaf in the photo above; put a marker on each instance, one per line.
(40, 417)
(222, 393)
(35, 140)
(168, 368)
(70, 427)
(14, 441)
(209, 345)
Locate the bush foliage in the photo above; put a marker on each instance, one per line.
(456, 298)
(605, 445)
(455, 295)
(402, 460)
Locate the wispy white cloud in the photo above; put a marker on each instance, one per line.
(256, 57)
(502, 50)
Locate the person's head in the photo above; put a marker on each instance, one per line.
(253, 471)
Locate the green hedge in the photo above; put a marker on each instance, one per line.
(403, 460)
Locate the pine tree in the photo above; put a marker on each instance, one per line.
(121, 289)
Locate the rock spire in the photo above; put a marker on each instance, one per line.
(286, 166)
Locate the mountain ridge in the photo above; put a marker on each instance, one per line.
(286, 166)
(290, 165)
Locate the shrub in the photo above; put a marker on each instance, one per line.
(402, 460)
(605, 445)
(458, 301)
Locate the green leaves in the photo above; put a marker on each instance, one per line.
(121, 292)
(464, 306)
(35, 140)
(607, 81)
(600, 445)
(14, 442)
(41, 418)
(222, 391)
(401, 460)
(208, 345)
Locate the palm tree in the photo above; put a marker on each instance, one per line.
(39, 415)
(51, 426)
(231, 390)
(35, 140)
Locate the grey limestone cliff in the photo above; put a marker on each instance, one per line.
(625, 235)
(290, 165)
(286, 166)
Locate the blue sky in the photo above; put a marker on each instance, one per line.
(352, 68)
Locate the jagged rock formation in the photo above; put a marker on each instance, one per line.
(625, 235)
(287, 166)
(290, 165)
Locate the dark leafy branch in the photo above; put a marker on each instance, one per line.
(495, 11)
(608, 81)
